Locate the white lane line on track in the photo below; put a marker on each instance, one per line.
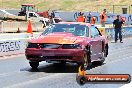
(99, 67)
(35, 80)
(11, 56)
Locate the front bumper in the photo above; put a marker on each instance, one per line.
(70, 55)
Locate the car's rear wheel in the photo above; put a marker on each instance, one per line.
(34, 64)
(102, 58)
(106, 50)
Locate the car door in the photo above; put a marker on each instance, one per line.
(96, 43)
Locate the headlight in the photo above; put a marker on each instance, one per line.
(32, 45)
(71, 46)
(83, 47)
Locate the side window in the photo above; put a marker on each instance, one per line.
(31, 14)
(34, 15)
(94, 31)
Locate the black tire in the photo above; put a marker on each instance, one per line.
(34, 65)
(102, 61)
(87, 59)
(62, 63)
(106, 50)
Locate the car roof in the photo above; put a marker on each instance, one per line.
(81, 23)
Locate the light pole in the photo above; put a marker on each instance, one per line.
(113, 9)
(130, 9)
(1, 3)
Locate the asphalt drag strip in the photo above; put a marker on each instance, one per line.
(15, 72)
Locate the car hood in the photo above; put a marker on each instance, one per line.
(58, 38)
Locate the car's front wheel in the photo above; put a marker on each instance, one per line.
(104, 55)
(87, 60)
(34, 64)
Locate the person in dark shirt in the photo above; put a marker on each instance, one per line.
(89, 17)
(118, 28)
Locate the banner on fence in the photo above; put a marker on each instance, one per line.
(71, 16)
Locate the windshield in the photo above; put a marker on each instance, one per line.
(75, 29)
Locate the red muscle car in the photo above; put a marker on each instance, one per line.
(77, 42)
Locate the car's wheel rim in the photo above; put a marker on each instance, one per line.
(85, 61)
(103, 56)
(104, 53)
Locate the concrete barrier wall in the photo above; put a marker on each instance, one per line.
(13, 26)
(126, 32)
(10, 36)
(11, 47)
(11, 44)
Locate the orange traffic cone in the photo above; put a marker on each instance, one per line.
(29, 29)
(81, 71)
(18, 31)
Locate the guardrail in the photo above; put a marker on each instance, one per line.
(13, 26)
(10, 36)
(11, 47)
(126, 32)
(15, 43)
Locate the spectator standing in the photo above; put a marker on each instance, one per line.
(81, 18)
(93, 19)
(103, 17)
(118, 28)
(89, 17)
(52, 14)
